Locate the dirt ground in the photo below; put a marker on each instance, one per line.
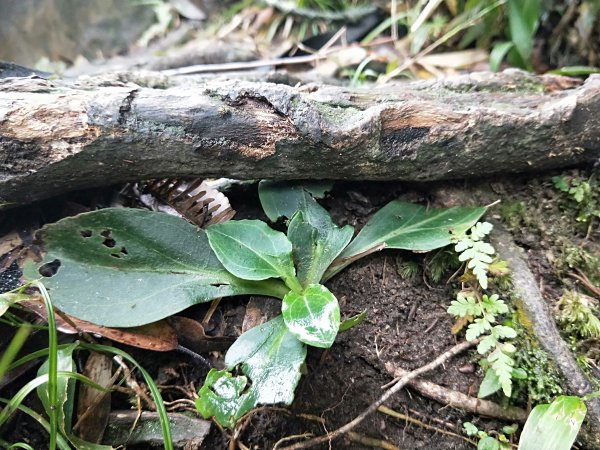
(406, 325)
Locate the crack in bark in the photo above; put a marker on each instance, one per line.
(125, 110)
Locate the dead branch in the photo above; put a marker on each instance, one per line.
(459, 400)
(61, 136)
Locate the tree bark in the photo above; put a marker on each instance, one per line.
(56, 137)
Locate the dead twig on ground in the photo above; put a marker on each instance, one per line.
(399, 384)
(406, 418)
(371, 442)
(586, 282)
(459, 400)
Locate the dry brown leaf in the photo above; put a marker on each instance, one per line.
(190, 334)
(93, 407)
(158, 336)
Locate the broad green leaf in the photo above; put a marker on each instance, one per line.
(66, 388)
(222, 397)
(510, 429)
(271, 357)
(127, 267)
(282, 199)
(250, 250)
(312, 316)
(554, 426)
(316, 240)
(489, 385)
(408, 226)
(519, 374)
(5, 303)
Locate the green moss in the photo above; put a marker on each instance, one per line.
(338, 114)
(514, 214)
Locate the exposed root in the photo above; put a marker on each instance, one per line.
(457, 399)
(371, 442)
(400, 416)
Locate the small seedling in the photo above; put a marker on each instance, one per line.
(584, 196)
(489, 442)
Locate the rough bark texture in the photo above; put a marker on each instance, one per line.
(60, 137)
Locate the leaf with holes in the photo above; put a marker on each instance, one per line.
(128, 267)
(312, 316)
(407, 226)
(251, 250)
(315, 239)
(222, 397)
(270, 357)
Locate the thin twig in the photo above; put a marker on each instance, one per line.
(407, 418)
(400, 383)
(371, 442)
(586, 282)
(246, 65)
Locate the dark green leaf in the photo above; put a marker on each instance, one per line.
(408, 226)
(316, 240)
(250, 250)
(128, 267)
(282, 199)
(554, 426)
(312, 316)
(353, 321)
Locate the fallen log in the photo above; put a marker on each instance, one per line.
(61, 136)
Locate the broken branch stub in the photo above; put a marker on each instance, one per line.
(60, 137)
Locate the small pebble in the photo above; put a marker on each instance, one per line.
(467, 368)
